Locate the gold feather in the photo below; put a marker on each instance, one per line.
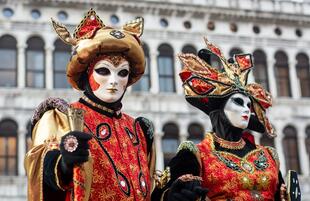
(63, 33)
(197, 65)
(135, 26)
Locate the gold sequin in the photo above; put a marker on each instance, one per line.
(246, 182)
(263, 182)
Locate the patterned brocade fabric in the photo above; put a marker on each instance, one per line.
(253, 177)
(119, 152)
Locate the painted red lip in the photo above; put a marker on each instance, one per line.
(245, 117)
(112, 89)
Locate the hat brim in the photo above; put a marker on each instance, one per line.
(104, 42)
(210, 104)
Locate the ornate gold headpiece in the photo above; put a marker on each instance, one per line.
(90, 24)
(92, 38)
(203, 82)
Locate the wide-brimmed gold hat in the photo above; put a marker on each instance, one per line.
(92, 38)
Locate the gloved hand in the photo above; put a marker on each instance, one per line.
(74, 150)
(186, 191)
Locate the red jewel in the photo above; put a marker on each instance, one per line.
(215, 50)
(103, 133)
(200, 86)
(123, 183)
(244, 61)
(185, 75)
(143, 186)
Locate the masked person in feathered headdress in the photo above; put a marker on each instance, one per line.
(111, 157)
(226, 165)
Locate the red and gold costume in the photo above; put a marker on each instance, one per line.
(230, 165)
(227, 176)
(121, 154)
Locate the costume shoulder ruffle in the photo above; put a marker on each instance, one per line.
(50, 121)
(48, 104)
(273, 152)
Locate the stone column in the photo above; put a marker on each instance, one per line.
(271, 72)
(303, 156)
(21, 151)
(183, 135)
(279, 146)
(49, 75)
(159, 153)
(251, 78)
(154, 72)
(177, 68)
(257, 137)
(21, 65)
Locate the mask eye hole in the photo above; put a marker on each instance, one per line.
(238, 101)
(103, 71)
(123, 73)
(248, 105)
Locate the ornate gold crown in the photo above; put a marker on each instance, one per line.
(92, 38)
(202, 81)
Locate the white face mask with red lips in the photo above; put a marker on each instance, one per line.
(238, 110)
(109, 82)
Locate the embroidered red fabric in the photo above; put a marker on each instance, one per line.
(248, 184)
(120, 158)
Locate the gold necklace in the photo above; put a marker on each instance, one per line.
(229, 144)
(97, 105)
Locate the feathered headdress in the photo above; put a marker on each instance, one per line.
(206, 86)
(92, 38)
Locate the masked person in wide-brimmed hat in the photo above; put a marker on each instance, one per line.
(227, 164)
(111, 157)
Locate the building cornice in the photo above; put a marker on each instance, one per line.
(233, 11)
(161, 35)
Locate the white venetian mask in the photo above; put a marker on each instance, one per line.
(237, 110)
(107, 81)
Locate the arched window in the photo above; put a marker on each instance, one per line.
(8, 64)
(282, 74)
(189, 49)
(170, 141)
(290, 147)
(144, 83)
(62, 53)
(234, 51)
(166, 68)
(28, 137)
(267, 141)
(308, 141)
(303, 74)
(8, 147)
(260, 68)
(35, 62)
(196, 132)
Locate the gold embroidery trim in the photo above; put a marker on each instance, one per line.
(210, 136)
(242, 160)
(41, 173)
(56, 173)
(97, 105)
(163, 195)
(229, 144)
(162, 178)
(274, 155)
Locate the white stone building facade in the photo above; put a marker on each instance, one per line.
(32, 67)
